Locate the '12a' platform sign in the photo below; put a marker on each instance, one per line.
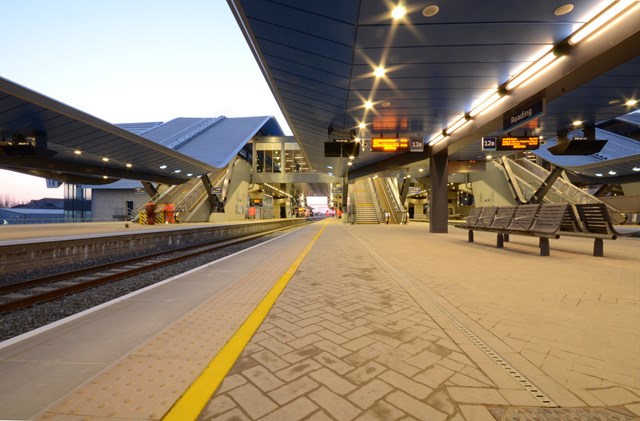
(489, 143)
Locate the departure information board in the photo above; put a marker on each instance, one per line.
(518, 143)
(389, 144)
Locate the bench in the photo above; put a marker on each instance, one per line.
(546, 221)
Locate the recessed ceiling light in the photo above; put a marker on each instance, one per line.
(577, 123)
(177, 171)
(380, 71)
(598, 174)
(636, 168)
(614, 102)
(349, 163)
(330, 167)
(368, 105)
(385, 104)
(162, 167)
(105, 177)
(398, 12)
(631, 102)
(612, 172)
(128, 165)
(362, 125)
(563, 10)
(430, 11)
(77, 152)
(105, 159)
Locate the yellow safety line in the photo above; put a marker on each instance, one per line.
(195, 398)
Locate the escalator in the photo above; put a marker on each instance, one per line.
(389, 200)
(190, 199)
(531, 183)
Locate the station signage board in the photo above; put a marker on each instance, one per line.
(521, 114)
(389, 144)
(518, 143)
(489, 143)
(416, 145)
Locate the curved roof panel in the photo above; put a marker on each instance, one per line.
(75, 147)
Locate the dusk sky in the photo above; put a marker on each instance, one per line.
(130, 61)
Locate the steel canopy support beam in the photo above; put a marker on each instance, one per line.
(546, 185)
(211, 197)
(149, 189)
(438, 209)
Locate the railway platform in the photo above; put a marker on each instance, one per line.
(352, 322)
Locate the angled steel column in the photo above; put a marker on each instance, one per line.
(546, 185)
(438, 209)
(213, 199)
(149, 189)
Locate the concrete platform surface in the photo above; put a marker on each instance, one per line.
(382, 322)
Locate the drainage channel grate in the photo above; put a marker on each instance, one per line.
(520, 378)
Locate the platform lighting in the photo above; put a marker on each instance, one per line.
(362, 125)
(128, 165)
(351, 157)
(614, 9)
(612, 172)
(379, 71)
(534, 70)
(105, 177)
(368, 105)
(636, 169)
(631, 102)
(486, 104)
(577, 123)
(77, 152)
(398, 12)
(162, 167)
(598, 174)
(189, 174)
(461, 121)
(177, 171)
(105, 159)
(349, 163)
(436, 139)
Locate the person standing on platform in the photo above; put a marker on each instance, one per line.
(386, 217)
(150, 208)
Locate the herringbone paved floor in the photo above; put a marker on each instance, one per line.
(359, 333)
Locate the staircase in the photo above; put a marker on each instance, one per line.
(366, 212)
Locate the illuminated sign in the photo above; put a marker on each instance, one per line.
(518, 143)
(489, 143)
(389, 144)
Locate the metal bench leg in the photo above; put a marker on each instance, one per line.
(598, 247)
(470, 236)
(505, 237)
(499, 242)
(544, 246)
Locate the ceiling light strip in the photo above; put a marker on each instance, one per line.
(613, 10)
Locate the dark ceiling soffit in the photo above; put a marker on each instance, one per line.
(58, 170)
(50, 104)
(241, 19)
(608, 60)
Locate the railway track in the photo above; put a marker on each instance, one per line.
(39, 290)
